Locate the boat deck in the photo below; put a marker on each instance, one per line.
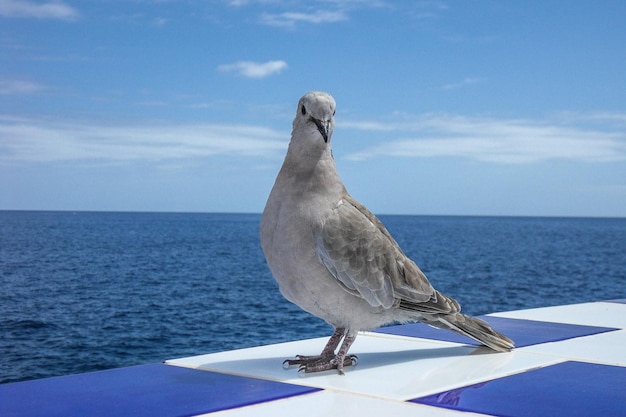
(569, 361)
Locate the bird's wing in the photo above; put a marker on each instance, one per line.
(361, 254)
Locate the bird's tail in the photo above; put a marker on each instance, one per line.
(476, 329)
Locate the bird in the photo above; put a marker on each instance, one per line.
(336, 260)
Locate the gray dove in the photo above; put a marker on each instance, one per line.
(334, 259)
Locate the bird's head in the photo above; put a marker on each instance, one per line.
(314, 116)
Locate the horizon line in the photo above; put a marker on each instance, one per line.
(95, 211)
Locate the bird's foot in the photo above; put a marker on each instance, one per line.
(319, 363)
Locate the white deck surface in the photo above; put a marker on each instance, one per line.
(394, 369)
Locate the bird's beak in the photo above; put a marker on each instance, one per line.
(322, 127)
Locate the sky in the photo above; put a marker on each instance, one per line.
(443, 107)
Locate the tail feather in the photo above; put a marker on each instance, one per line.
(478, 330)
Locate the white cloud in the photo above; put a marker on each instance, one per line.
(24, 140)
(160, 21)
(491, 140)
(250, 69)
(602, 118)
(241, 3)
(288, 14)
(289, 19)
(28, 140)
(465, 83)
(27, 9)
(18, 87)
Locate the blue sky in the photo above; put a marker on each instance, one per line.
(453, 108)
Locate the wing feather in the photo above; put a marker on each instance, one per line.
(360, 253)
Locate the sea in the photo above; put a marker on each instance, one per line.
(86, 291)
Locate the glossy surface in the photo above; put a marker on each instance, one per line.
(565, 389)
(522, 332)
(571, 361)
(149, 390)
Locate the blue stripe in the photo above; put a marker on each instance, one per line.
(567, 389)
(154, 390)
(522, 332)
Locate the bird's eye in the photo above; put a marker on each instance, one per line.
(303, 110)
(334, 111)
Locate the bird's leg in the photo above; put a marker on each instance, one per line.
(327, 359)
(340, 359)
(327, 353)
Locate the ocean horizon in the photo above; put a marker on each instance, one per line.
(539, 216)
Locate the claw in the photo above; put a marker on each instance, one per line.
(327, 360)
(310, 364)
